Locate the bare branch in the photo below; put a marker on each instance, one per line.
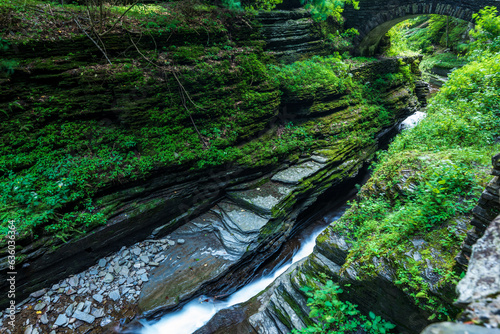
(100, 49)
(183, 94)
(114, 25)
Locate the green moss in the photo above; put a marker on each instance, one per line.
(77, 128)
(284, 318)
(428, 180)
(290, 301)
(334, 105)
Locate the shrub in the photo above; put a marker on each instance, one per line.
(335, 316)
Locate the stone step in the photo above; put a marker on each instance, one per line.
(282, 16)
(289, 27)
(296, 173)
(240, 219)
(277, 33)
(261, 199)
(290, 42)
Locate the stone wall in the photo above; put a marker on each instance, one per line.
(290, 34)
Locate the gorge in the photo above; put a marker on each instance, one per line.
(174, 159)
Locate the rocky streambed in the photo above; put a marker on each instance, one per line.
(96, 299)
(158, 274)
(213, 254)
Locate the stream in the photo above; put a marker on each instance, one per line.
(199, 311)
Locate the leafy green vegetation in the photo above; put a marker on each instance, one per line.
(486, 34)
(442, 60)
(425, 186)
(335, 316)
(187, 87)
(322, 9)
(440, 38)
(312, 76)
(427, 34)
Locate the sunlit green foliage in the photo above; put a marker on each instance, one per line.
(443, 60)
(427, 182)
(322, 9)
(399, 42)
(337, 317)
(309, 76)
(486, 34)
(465, 112)
(424, 33)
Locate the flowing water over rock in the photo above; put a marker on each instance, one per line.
(198, 312)
(412, 120)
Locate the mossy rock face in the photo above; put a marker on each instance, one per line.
(282, 305)
(113, 152)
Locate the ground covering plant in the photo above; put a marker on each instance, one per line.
(428, 33)
(336, 316)
(323, 9)
(425, 186)
(441, 39)
(188, 86)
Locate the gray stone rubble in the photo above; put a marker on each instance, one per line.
(117, 278)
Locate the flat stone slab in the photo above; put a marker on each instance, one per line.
(261, 199)
(319, 159)
(61, 320)
(200, 259)
(84, 316)
(294, 174)
(245, 220)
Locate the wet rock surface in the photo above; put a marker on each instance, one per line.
(479, 290)
(454, 328)
(226, 239)
(296, 173)
(94, 300)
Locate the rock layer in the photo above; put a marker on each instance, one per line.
(485, 211)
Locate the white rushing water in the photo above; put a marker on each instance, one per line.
(198, 312)
(412, 121)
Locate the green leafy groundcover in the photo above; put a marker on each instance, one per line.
(57, 151)
(430, 178)
(337, 317)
